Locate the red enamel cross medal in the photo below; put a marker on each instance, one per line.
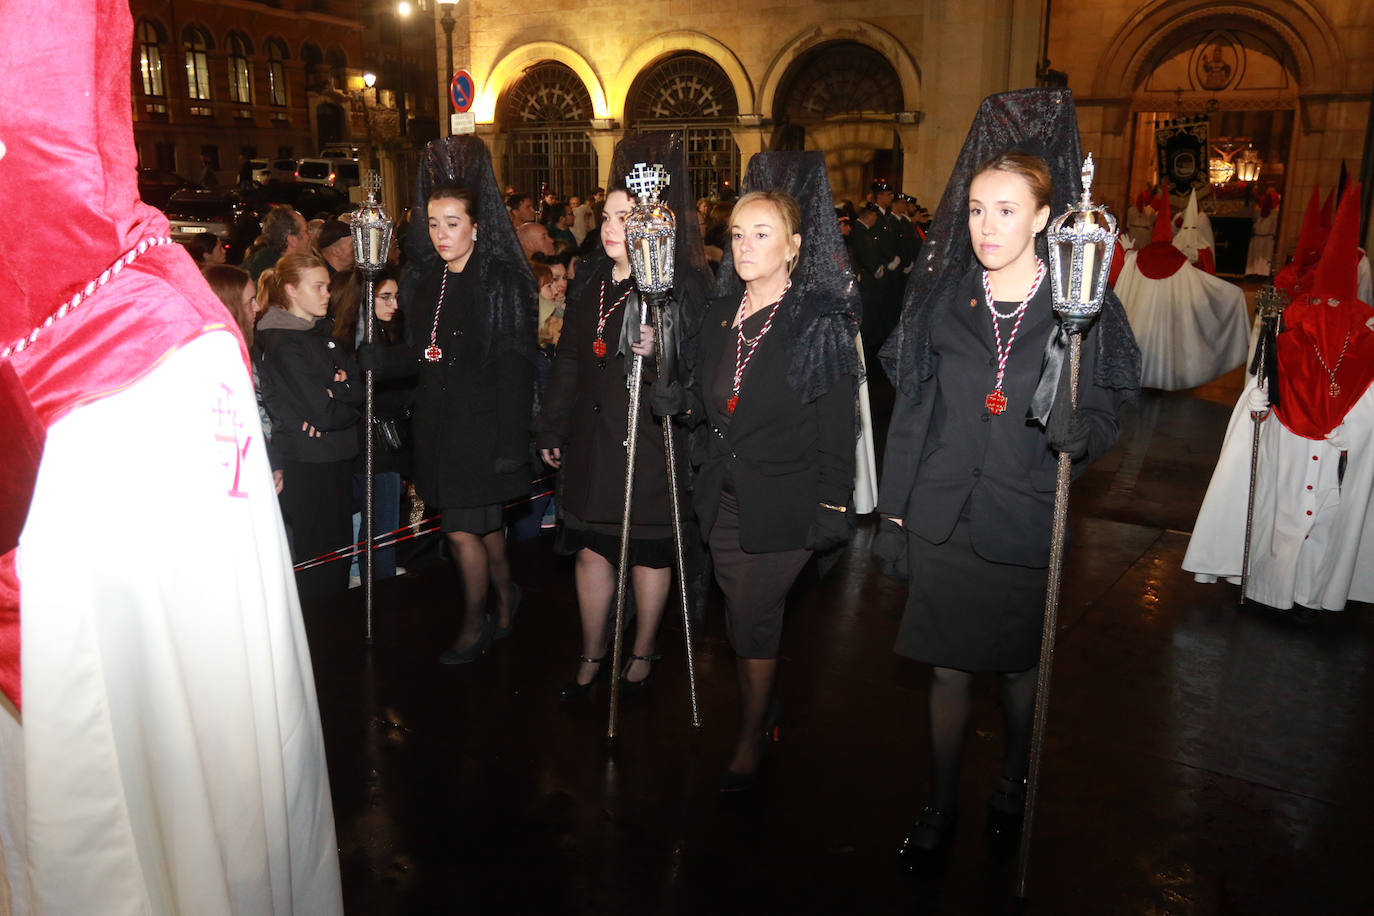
(996, 401)
(731, 403)
(599, 347)
(433, 353)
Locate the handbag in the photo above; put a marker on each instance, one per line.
(389, 434)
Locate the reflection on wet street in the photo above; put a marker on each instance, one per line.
(1201, 758)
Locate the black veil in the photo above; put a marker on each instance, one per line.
(1042, 121)
(822, 319)
(504, 276)
(691, 276)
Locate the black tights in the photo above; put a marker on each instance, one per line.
(950, 696)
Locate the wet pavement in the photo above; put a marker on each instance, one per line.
(1201, 758)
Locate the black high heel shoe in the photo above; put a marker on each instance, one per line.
(575, 691)
(929, 836)
(1006, 809)
(769, 735)
(452, 656)
(628, 687)
(515, 597)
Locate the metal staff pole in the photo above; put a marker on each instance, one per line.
(622, 568)
(674, 504)
(371, 231)
(1270, 307)
(1081, 244)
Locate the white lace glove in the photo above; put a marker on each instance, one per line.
(1257, 400)
(879, 273)
(1337, 438)
(892, 265)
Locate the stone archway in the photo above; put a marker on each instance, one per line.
(510, 67)
(669, 43)
(856, 30)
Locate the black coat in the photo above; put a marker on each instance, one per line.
(947, 450)
(296, 368)
(470, 421)
(585, 414)
(786, 457)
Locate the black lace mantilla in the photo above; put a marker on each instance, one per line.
(503, 275)
(1042, 121)
(823, 311)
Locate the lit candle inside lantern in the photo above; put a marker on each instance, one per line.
(649, 277)
(374, 244)
(1085, 290)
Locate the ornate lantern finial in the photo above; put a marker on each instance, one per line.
(371, 229)
(650, 230)
(1270, 303)
(1082, 241)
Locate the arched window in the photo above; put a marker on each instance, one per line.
(838, 78)
(150, 58)
(338, 66)
(276, 72)
(240, 71)
(197, 43)
(546, 113)
(313, 58)
(691, 93)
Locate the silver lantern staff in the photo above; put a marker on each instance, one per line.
(651, 236)
(1269, 306)
(371, 242)
(1081, 242)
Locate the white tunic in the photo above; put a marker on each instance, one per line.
(1191, 327)
(172, 758)
(1260, 255)
(1312, 540)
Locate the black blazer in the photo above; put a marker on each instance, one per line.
(947, 450)
(786, 457)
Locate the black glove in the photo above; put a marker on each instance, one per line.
(830, 528)
(890, 549)
(1068, 432)
(509, 465)
(370, 357)
(668, 399)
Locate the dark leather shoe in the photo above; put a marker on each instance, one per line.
(575, 691)
(630, 688)
(930, 835)
(516, 595)
(455, 656)
(1006, 809)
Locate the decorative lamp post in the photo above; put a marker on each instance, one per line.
(447, 21)
(371, 242)
(1081, 242)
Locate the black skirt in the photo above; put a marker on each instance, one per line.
(965, 612)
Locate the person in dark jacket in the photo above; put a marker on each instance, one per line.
(970, 468)
(582, 429)
(777, 473)
(471, 417)
(313, 392)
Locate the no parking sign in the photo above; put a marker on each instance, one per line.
(463, 91)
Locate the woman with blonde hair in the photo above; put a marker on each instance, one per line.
(313, 392)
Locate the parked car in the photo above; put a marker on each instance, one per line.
(259, 170)
(339, 152)
(308, 199)
(332, 173)
(226, 214)
(280, 170)
(156, 186)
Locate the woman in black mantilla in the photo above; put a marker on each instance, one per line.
(581, 427)
(971, 455)
(473, 304)
(774, 379)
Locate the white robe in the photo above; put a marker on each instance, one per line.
(1364, 281)
(1191, 327)
(172, 758)
(1259, 257)
(1312, 541)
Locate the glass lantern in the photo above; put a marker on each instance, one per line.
(371, 229)
(1082, 242)
(650, 231)
(1248, 164)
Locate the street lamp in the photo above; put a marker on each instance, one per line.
(447, 22)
